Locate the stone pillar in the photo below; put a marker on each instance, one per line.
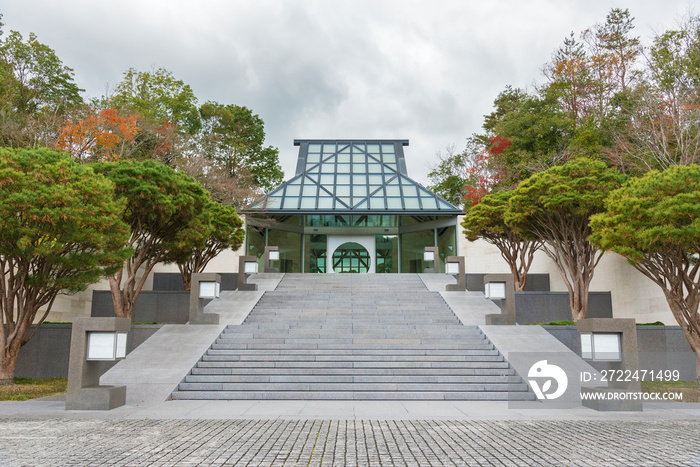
(197, 304)
(242, 276)
(507, 315)
(461, 284)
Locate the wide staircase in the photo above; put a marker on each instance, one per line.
(352, 337)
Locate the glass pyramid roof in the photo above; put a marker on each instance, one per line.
(352, 176)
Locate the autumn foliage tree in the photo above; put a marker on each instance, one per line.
(101, 136)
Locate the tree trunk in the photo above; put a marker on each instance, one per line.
(8, 362)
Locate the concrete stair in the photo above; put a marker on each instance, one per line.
(352, 337)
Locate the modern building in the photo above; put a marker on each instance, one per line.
(351, 207)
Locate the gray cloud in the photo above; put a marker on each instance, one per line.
(329, 69)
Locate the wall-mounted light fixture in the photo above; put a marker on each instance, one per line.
(105, 345)
(601, 347)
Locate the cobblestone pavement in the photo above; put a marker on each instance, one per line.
(339, 442)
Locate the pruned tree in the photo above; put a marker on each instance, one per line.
(60, 230)
(163, 210)
(554, 207)
(654, 221)
(223, 231)
(485, 220)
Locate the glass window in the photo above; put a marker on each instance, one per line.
(309, 190)
(325, 202)
(359, 179)
(255, 243)
(412, 245)
(327, 168)
(345, 200)
(293, 190)
(343, 179)
(447, 244)
(359, 158)
(313, 158)
(329, 148)
(343, 168)
(274, 202)
(327, 180)
(359, 190)
(373, 148)
(358, 148)
(359, 168)
(308, 203)
(289, 244)
(345, 149)
(290, 203)
(409, 190)
(351, 257)
(314, 148)
(389, 158)
(429, 203)
(344, 158)
(394, 203)
(393, 190)
(388, 148)
(374, 168)
(315, 253)
(342, 190)
(411, 203)
(387, 253)
(376, 180)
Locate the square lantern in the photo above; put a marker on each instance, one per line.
(274, 255)
(105, 346)
(428, 256)
(209, 289)
(495, 290)
(452, 268)
(250, 267)
(601, 347)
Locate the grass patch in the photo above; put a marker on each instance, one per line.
(690, 390)
(655, 323)
(28, 388)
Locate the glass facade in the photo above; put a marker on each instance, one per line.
(412, 247)
(289, 244)
(315, 247)
(348, 188)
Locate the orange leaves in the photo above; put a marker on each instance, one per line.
(98, 137)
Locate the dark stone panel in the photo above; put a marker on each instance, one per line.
(535, 282)
(162, 307)
(46, 355)
(545, 307)
(660, 348)
(172, 281)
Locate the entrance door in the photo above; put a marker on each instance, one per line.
(351, 257)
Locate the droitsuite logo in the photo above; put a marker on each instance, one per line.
(544, 371)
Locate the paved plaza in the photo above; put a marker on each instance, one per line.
(347, 442)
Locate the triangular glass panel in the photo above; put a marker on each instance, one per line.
(313, 169)
(358, 148)
(312, 177)
(323, 191)
(274, 202)
(345, 201)
(393, 182)
(344, 149)
(362, 205)
(444, 205)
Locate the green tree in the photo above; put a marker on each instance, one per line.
(158, 97)
(654, 221)
(486, 220)
(223, 231)
(60, 230)
(554, 207)
(36, 92)
(449, 177)
(163, 210)
(233, 138)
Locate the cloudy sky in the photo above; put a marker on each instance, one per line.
(417, 70)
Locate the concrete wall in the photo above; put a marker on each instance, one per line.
(545, 307)
(535, 282)
(47, 354)
(162, 307)
(172, 281)
(660, 348)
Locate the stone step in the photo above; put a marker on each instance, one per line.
(218, 368)
(349, 354)
(453, 379)
(484, 345)
(354, 387)
(213, 363)
(350, 395)
(213, 357)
